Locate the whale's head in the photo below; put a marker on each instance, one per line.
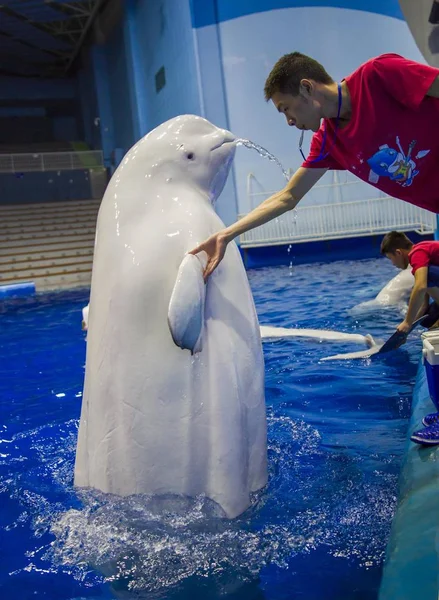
(186, 150)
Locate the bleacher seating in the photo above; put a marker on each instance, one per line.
(48, 243)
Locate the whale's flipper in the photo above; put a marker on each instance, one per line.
(186, 307)
(273, 333)
(269, 333)
(353, 355)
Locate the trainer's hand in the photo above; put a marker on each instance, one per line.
(403, 327)
(215, 248)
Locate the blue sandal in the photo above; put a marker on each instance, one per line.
(428, 436)
(430, 419)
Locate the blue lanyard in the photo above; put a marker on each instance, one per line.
(322, 156)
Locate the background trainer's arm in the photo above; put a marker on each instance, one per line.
(424, 307)
(287, 199)
(417, 297)
(434, 89)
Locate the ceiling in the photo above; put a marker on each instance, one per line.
(42, 38)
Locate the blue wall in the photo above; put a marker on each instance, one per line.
(50, 186)
(65, 129)
(43, 110)
(13, 88)
(117, 81)
(121, 82)
(207, 13)
(40, 110)
(117, 63)
(165, 39)
(89, 105)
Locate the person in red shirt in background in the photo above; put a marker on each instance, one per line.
(380, 123)
(424, 260)
(401, 251)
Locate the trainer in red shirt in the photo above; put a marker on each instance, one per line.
(424, 260)
(394, 144)
(381, 123)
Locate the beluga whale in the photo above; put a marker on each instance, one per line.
(396, 292)
(173, 399)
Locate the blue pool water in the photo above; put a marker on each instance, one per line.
(336, 438)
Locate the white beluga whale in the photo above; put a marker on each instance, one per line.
(173, 399)
(396, 292)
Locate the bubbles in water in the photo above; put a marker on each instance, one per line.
(263, 152)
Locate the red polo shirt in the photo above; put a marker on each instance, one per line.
(392, 139)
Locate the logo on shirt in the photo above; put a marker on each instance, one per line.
(395, 164)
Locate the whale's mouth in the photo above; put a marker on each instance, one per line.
(224, 142)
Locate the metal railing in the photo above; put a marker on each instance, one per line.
(51, 161)
(372, 216)
(340, 182)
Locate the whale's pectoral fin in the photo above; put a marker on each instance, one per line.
(186, 307)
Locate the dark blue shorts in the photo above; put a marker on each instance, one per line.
(432, 314)
(433, 276)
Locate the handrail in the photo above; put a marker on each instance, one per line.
(51, 161)
(341, 220)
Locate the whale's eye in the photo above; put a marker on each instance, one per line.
(190, 155)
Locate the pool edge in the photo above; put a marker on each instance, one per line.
(412, 557)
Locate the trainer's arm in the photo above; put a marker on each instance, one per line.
(287, 199)
(416, 299)
(215, 246)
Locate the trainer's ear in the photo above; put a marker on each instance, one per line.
(306, 88)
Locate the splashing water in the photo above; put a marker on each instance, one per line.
(156, 547)
(143, 544)
(291, 262)
(263, 152)
(266, 154)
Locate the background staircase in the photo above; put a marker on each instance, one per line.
(50, 244)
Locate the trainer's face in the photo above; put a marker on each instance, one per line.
(301, 111)
(398, 259)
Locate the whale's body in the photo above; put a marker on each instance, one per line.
(396, 292)
(173, 399)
